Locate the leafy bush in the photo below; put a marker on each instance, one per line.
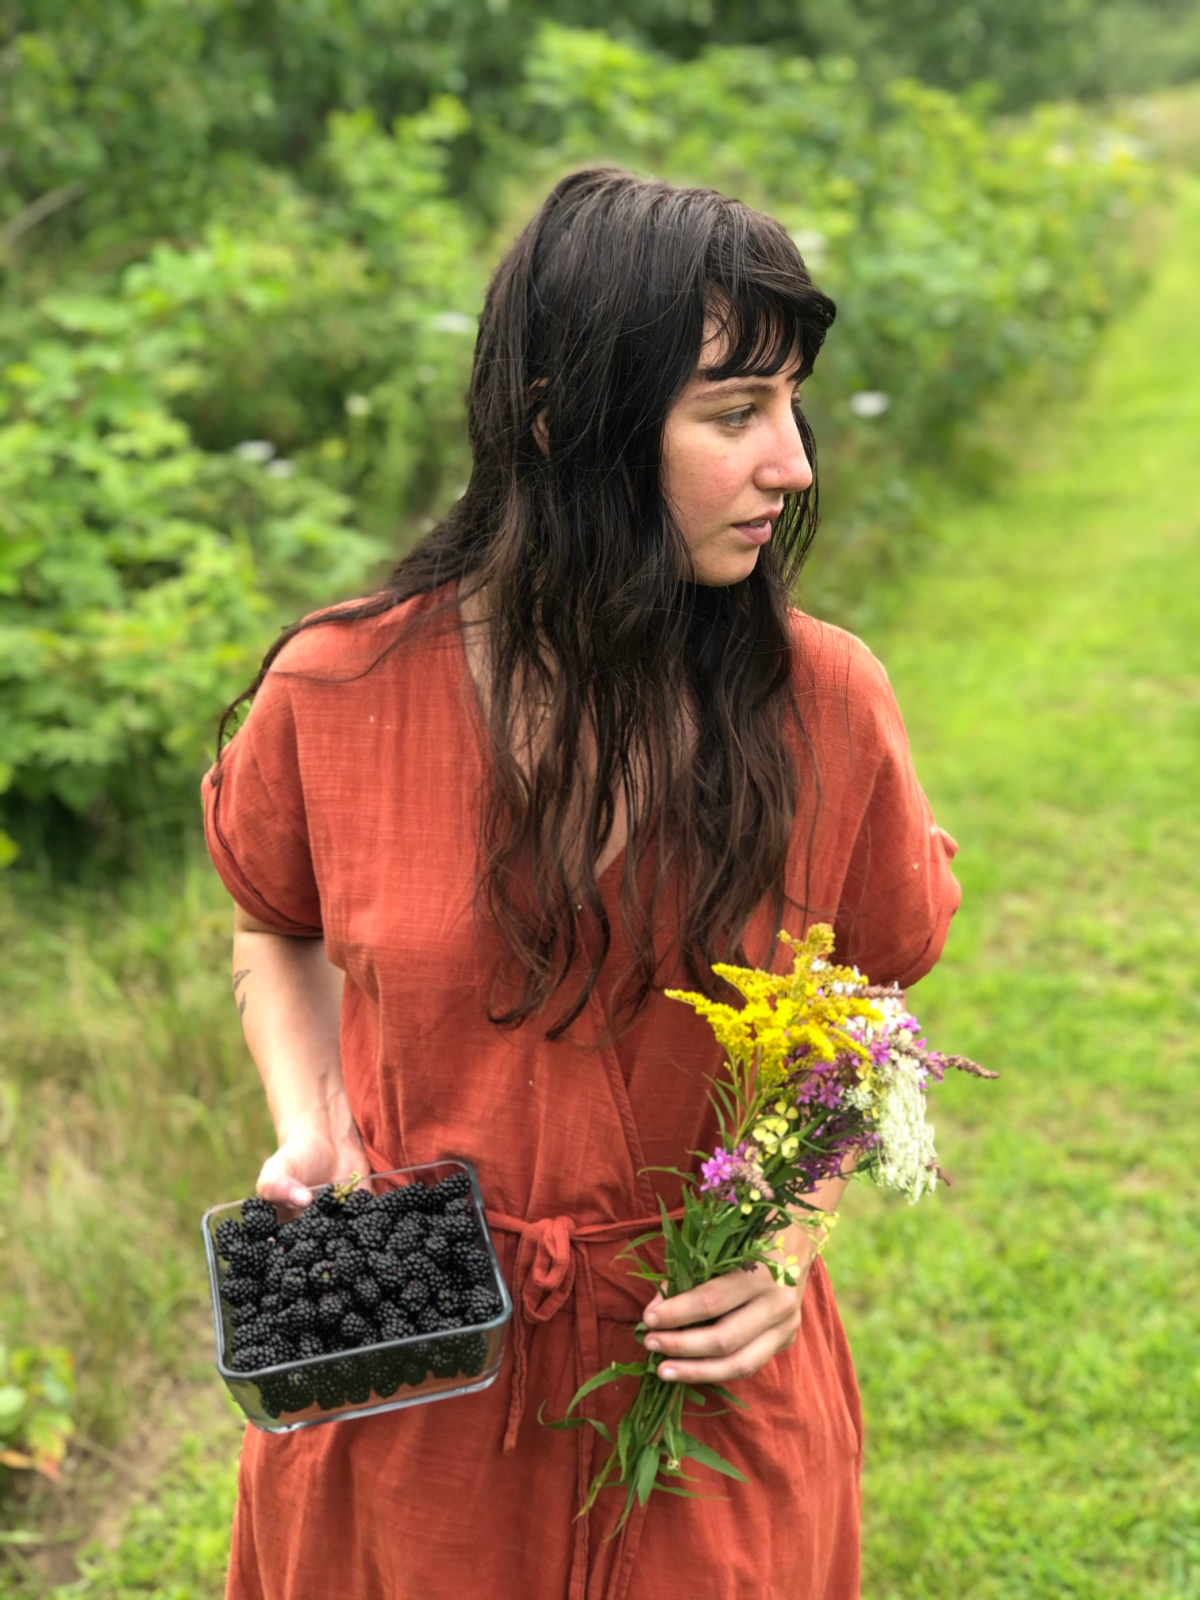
(37, 1388)
(232, 428)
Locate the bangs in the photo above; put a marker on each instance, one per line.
(760, 301)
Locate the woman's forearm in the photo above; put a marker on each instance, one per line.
(289, 998)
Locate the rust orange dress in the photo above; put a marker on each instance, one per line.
(349, 807)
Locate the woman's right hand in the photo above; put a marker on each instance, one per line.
(309, 1155)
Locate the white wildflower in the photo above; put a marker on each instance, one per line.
(452, 322)
(280, 469)
(869, 403)
(259, 450)
(907, 1159)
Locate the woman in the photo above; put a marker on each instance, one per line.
(578, 748)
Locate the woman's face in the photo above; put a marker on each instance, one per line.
(731, 451)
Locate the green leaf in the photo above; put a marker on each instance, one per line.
(647, 1471)
(709, 1458)
(12, 1403)
(610, 1374)
(725, 1394)
(624, 1434)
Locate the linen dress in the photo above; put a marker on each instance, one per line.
(348, 806)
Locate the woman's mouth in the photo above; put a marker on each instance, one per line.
(756, 532)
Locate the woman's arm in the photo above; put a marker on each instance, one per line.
(289, 998)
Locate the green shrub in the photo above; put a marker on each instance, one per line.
(37, 1392)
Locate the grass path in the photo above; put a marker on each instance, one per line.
(1028, 1345)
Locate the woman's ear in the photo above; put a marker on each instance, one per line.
(540, 426)
(541, 431)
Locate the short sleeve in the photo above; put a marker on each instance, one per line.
(899, 893)
(254, 817)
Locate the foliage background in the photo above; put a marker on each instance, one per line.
(242, 248)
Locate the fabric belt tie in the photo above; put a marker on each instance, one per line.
(552, 1267)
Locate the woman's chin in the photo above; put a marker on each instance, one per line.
(718, 572)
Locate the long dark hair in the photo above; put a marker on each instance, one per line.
(597, 316)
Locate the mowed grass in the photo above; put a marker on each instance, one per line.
(1027, 1342)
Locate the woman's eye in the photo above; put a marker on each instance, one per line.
(737, 419)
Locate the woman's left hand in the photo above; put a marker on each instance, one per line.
(748, 1319)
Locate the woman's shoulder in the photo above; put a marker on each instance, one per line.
(339, 643)
(832, 665)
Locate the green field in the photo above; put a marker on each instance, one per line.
(1027, 1342)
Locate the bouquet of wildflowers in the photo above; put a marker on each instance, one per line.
(824, 1070)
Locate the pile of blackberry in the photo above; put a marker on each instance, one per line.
(352, 1271)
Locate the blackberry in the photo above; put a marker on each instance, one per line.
(250, 1257)
(329, 1386)
(443, 1363)
(315, 1224)
(304, 1253)
(278, 1349)
(356, 1330)
(407, 1235)
(481, 1305)
(250, 1358)
(414, 1295)
(437, 1279)
(413, 1372)
(310, 1344)
(228, 1237)
(331, 1308)
(471, 1349)
(320, 1276)
(239, 1291)
(389, 1273)
(428, 1320)
(300, 1316)
(459, 1225)
(437, 1246)
(293, 1283)
(385, 1377)
(449, 1303)
(419, 1265)
(463, 1206)
(296, 1389)
(258, 1219)
(473, 1263)
(367, 1291)
(415, 1197)
(326, 1202)
(371, 1231)
(348, 1266)
(393, 1324)
(356, 1203)
(269, 1304)
(452, 1188)
(288, 1234)
(273, 1273)
(358, 1384)
(244, 1336)
(240, 1315)
(271, 1396)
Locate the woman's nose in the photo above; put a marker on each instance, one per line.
(786, 468)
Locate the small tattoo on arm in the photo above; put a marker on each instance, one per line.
(242, 1006)
(238, 976)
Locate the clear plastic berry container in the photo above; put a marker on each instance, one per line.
(383, 1373)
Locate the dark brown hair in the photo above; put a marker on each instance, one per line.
(597, 314)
